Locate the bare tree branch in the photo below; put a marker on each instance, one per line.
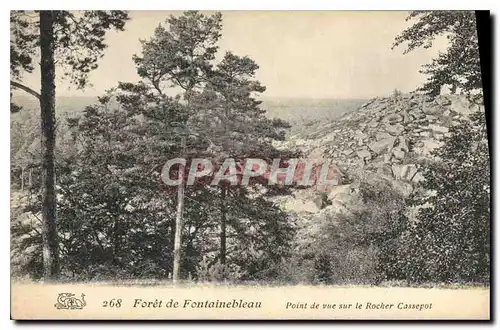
(25, 88)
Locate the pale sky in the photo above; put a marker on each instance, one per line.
(313, 54)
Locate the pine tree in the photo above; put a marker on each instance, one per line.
(180, 56)
(450, 239)
(223, 118)
(236, 124)
(77, 40)
(458, 67)
(452, 232)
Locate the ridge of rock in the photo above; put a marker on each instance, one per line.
(389, 137)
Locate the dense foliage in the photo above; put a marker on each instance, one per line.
(117, 220)
(75, 40)
(458, 67)
(451, 240)
(357, 247)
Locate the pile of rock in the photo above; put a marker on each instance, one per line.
(389, 132)
(388, 137)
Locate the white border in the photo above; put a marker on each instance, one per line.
(492, 5)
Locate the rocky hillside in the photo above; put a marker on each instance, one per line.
(386, 138)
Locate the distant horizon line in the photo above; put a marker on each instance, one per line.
(21, 94)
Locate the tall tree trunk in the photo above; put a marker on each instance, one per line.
(223, 212)
(47, 106)
(179, 220)
(22, 178)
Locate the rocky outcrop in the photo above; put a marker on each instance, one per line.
(390, 130)
(388, 137)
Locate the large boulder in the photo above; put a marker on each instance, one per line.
(339, 192)
(428, 146)
(382, 135)
(438, 128)
(404, 172)
(364, 154)
(408, 171)
(301, 206)
(430, 109)
(398, 153)
(396, 129)
(418, 177)
(383, 145)
(416, 113)
(396, 171)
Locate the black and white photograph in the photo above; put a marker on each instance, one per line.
(249, 165)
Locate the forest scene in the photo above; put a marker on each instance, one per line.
(411, 208)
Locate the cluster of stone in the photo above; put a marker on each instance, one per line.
(388, 134)
(389, 137)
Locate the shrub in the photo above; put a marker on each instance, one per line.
(353, 247)
(217, 272)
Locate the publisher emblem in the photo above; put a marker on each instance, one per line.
(69, 301)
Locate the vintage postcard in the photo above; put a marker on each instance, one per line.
(243, 165)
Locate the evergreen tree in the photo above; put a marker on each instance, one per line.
(238, 127)
(450, 240)
(118, 220)
(77, 41)
(458, 67)
(223, 118)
